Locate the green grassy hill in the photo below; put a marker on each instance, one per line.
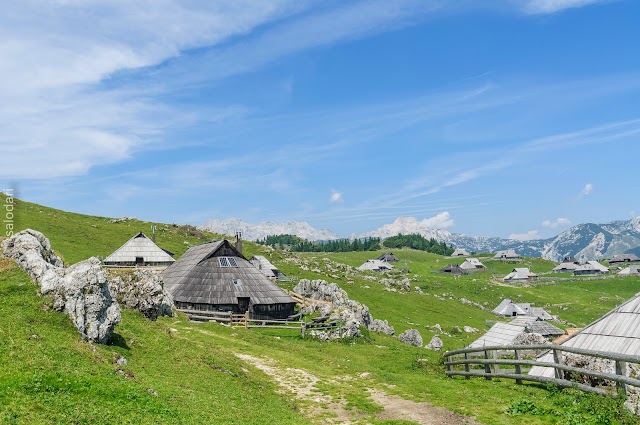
(182, 372)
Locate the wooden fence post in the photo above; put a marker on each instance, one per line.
(487, 367)
(496, 366)
(621, 369)
(557, 360)
(518, 369)
(303, 327)
(466, 365)
(246, 319)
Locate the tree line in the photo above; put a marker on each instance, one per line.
(414, 241)
(419, 242)
(297, 244)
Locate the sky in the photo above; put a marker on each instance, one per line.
(511, 118)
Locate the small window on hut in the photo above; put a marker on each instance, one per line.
(227, 262)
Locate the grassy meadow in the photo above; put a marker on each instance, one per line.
(183, 372)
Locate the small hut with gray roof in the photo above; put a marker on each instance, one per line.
(139, 251)
(215, 276)
(266, 267)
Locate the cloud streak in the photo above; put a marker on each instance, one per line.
(545, 7)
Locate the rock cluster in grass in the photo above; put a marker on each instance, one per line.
(143, 291)
(394, 285)
(411, 337)
(350, 329)
(341, 308)
(435, 344)
(81, 291)
(526, 338)
(381, 326)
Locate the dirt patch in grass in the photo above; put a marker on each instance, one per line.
(326, 409)
(397, 408)
(7, 264)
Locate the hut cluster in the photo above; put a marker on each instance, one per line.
(380, 264)
(214, 276)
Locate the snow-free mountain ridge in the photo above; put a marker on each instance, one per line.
(588, 241)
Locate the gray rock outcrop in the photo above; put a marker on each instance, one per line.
(526, 338)
(351, 329)
(341, 308)
(81, 291)
(143, 291)
(382, 326)
(435, 344)
(411, 337)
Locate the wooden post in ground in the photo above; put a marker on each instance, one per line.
(518, 369)
(496, 366)
(621, 369)
(556, 359)
(303, 327)
(466, 365)
(487, 367)
(246, 319)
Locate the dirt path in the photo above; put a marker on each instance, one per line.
(324, 409)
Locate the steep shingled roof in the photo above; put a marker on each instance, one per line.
(618, 331)
(139, 246)
(199, 276)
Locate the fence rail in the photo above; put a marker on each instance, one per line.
(246, 321)
(489, 362)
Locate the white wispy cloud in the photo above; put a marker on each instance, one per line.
(335, 196)
(554, 6)
(558, 222)
(529, 236)
(587, 189)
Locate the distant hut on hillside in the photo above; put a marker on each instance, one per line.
(630, 271)
(453, 269)
(266, 267)
(570, 259)
(506, 333)
(520, 274)
(139, 251)
(388, 257)
(507, 254)
(565, 267)
(215, 276)
(508, 308)
(590, 268)
(624, 258)
(375, 266)
(472, 264)
(460, 252)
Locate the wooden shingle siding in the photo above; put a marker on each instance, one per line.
(199, 279)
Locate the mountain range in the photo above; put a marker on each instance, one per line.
(588, 241)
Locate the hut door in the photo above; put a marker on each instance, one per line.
(243, 304)
(139, 260)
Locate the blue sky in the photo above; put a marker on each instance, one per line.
(502, 118)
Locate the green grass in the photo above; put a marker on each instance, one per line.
(56, 377)
(49, 375)
(77, 237)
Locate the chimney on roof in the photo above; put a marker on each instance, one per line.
(239, 241)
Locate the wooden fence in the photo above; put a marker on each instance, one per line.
(304, 301)
(490, 362)
(244, 320)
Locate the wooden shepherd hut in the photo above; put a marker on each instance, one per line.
(388, 257)
(215, 276)
(140, 251)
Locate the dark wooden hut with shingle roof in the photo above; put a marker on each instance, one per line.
(388, 257)
(215, 276)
